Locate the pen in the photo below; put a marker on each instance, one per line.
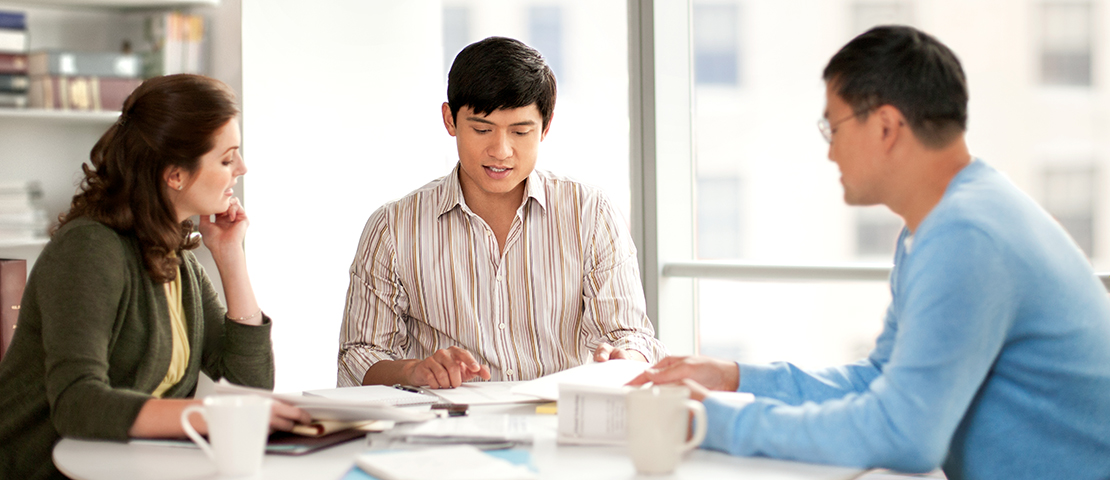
(407, 388)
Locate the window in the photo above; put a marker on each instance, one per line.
(1069, 195)
(790, 212)
(869, 14)
(545, 28)
(1066, 44)
(877, 230)
(719, 217)
(456, 31)
(716, 45)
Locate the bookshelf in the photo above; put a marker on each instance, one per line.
(49, 146)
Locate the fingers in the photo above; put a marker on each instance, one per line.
(603, 352)
(451, 367)
(662, 372)
(283, 416)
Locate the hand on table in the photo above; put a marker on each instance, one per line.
(714, 374)
(606, 352)
(446, 369)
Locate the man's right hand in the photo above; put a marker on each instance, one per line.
(445, 369)
(710, 372)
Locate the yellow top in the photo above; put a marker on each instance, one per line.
(179, 356)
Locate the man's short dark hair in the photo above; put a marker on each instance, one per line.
(500, 73)
(908, 69)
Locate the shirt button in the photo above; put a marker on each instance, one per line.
(509, 373)
(501, 325)
(500, 278)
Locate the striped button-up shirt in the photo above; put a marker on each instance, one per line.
(429, 275)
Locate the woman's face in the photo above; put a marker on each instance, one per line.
(208, 190)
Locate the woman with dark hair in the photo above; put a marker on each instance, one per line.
(118, 317)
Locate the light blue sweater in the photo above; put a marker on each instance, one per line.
(994, 360)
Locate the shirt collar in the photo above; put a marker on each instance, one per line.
(452, 196)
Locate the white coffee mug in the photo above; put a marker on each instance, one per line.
(657, 423)
(237, 429)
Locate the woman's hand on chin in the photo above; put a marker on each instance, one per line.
(225, 234)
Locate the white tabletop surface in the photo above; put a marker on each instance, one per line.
(100, 460)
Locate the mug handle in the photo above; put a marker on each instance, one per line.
(700, 425)
(192, 433)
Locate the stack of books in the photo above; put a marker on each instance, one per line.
(91, 81)
(13, 59)
(177, 44)
(23, 219)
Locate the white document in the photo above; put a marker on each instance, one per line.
(322, 408)
(375, 393)
(459, 462)
(483, 393)
(613, 373)
(495, 427)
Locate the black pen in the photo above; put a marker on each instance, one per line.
(407, 388)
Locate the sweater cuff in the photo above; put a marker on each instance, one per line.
(249, 340)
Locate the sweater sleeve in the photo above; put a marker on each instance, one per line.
(87, 277)
(954, 305)
(243, 354)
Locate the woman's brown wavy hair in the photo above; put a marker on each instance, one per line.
(168, 121)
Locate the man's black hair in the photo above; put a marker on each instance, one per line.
(500, 73)
(908, 69)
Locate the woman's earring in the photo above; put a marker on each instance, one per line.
(179, 187)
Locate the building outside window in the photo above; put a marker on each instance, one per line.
(1066, 35)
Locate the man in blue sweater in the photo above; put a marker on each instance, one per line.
(994, 360)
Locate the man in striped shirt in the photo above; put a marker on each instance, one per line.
(497, 271)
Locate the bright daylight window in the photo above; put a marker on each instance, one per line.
(766, 191)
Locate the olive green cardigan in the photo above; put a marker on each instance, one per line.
(94, 341)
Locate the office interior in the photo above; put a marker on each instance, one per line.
(696, 116)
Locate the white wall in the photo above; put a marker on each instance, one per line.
(341, 113)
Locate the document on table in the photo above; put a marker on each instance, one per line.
(323, 408)
(613, 373)
(483, 393)
(375, 393)
(475, 429)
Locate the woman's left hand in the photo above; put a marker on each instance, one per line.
(225, 235)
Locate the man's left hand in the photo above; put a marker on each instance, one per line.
(606, 352)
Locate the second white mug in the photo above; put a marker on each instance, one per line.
(657, 425)
(237, 429)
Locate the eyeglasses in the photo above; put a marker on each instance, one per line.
(826, 127)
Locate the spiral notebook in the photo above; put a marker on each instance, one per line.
(375, 393)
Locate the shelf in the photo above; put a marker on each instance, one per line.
(122, 4)
(69, 116)
(38, 242)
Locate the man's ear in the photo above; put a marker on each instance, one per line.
(891, 122)
(448, 119)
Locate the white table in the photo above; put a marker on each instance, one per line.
(97, 460)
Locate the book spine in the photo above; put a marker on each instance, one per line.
(13, 100)
(14, 83)
(81, 93)
(13, 63)
(13, 41)
(13, 20)
(13, 277)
